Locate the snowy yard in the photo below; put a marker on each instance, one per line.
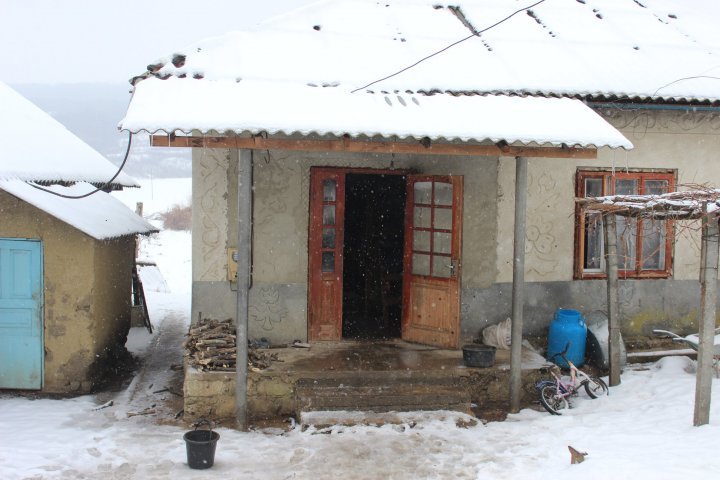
(642, 430)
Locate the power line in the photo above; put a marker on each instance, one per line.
(449, 47)
(101, 187)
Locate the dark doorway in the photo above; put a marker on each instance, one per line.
(373, 255)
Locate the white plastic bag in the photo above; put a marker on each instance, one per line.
(498, 335)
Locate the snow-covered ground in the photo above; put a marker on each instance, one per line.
(642, 430)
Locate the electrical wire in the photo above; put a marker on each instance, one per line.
(102, 187)
(448, 47)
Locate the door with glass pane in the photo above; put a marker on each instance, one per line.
(327, 204)
(433, 226)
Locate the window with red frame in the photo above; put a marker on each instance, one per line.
(644, 245)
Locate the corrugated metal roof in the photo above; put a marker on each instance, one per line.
(36, 147)
(633, 49)
(100, 215)
(651, 50)
(255, 107)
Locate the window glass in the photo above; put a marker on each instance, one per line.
(329, 189)
(442, 242)
(443, 218)
(593, 187)
(442, 267)
(423, 192)
(656, 187)
(421, 217)
(328, 238)
(626, 186)
(653, 245)
(328, 214)
(420, 264)
(443, 194)
(328, 261)
(594, 242)
(626, 246)
(421, 241)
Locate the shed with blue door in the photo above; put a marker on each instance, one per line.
(65, 286)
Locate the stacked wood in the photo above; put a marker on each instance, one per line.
(211, 346)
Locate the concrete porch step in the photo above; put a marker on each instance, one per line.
(378, 394)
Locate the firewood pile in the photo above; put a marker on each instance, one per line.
(210, 346)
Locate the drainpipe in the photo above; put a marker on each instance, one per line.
(245, 176)
(518, 287)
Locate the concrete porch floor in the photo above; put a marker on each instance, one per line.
(372, 376)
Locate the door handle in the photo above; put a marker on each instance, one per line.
(453, 268)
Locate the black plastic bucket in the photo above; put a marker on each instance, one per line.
(200, 445)
(477, 355)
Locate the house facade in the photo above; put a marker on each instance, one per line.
(359, 233)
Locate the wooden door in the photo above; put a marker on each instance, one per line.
(21, 300)
(431, 278)
(325, 238)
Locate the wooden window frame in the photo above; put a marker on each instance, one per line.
(608, 188)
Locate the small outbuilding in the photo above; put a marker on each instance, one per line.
(65, 262)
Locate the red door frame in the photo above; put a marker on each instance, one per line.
(325, 289)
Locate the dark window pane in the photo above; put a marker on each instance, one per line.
(626, 187)
(328, 261)
(656, 187)
(593, 187)
(594, 242)
(329, 215)
(329, 189)
(328, 238)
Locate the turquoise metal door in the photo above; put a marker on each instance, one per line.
(21, 301)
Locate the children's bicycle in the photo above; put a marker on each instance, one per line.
(555, 394)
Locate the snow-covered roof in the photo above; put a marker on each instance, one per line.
(100, 215)
(254, 106)
(296, 72)
(36, 147)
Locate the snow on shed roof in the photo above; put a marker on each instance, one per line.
(36, 147)
(255, 106)
(100, 215)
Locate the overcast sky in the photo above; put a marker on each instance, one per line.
(109, 41)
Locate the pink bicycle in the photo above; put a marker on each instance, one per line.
(555, 394)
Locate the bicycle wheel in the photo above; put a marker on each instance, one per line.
(595, 387)
(551, 401)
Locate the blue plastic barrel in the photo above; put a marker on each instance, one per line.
(567, 330)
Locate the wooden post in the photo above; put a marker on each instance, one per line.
(245, 179)
(708, 297)
(518, 294)
(139, 212)
(611, 261)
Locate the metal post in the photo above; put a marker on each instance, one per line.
(611, 261)
(708, 297)
(518, 287)
(245, 178)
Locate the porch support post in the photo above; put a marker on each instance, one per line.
(611, 260)
(518, 287)
(245, 176)
(708, 297)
